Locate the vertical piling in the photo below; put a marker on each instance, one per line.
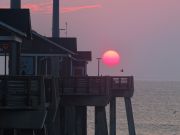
(70, 120)
(1, 132)
(113, 116)
(100, 121)
(129, 113)
(62, 120)
(81, 120)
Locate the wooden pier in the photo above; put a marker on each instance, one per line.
(37, 100)
(47, 89)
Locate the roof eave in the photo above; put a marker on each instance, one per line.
(13, 29)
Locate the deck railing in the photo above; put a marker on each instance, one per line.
(21, 92)
(30, 92)
(90, 85)
(121, 86)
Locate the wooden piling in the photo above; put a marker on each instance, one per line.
(70, 120)
(129, 114)
(113, 116)
(57, 123)
(1, 132)
(62, 120)
(100, 121)
(81, 120)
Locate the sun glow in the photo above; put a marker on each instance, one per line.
(111, 58)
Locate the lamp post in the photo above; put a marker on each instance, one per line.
(98, 64)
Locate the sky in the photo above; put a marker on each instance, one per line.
(146, 33)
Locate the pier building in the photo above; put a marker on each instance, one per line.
(47, 89)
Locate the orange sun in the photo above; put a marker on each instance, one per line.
(111, 58)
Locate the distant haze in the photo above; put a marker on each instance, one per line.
(145, 32)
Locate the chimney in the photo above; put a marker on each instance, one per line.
(55, 22)
(15, 4)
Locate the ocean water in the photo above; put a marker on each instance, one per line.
(156, 107)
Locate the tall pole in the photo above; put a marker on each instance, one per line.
(98, 65)
(100, 114)
(15, 4)
(55, 23)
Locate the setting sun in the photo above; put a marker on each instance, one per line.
(111, 58)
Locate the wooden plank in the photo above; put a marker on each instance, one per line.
(28, 87)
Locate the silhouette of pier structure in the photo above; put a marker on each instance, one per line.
(47, 90)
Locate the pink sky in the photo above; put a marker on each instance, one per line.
(145, 32)
(46, 6)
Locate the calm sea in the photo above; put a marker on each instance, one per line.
(156, 107)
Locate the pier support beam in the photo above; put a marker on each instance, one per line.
(100, 121)
(1, 131)
(129, 114)
(62, 120)
(70, 120)
(74, 121)
(81, 120)
(113, 116)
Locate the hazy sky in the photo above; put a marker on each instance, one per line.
(145, 32)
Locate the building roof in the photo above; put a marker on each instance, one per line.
(71, 44)
(7, 29)
(42, 45)
(68, 43)
(16, 20)
(84, 55)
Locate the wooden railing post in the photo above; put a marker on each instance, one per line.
(5, 91)
(28, 86)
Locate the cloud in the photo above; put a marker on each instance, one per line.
(45, 7)
(77, 8)
(33, 7)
